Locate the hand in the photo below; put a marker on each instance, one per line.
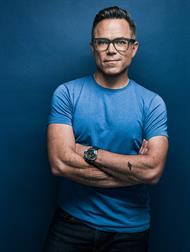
(144, 147)
(79, 148)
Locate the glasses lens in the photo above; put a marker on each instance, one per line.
(101, 44)
(121, 44)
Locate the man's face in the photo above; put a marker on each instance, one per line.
(112, 62)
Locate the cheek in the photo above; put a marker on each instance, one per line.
(100, 56)
(99, 59)
(127, 59)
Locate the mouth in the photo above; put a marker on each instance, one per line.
(112, 60)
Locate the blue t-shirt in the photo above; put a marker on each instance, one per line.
(116, 120)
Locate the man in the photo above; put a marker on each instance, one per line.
(95, 140)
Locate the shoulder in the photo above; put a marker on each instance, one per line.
(143, 92)
(146, 96)
(72, 85)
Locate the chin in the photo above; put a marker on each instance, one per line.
(113, 72)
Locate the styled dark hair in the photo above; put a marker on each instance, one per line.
(114, 13)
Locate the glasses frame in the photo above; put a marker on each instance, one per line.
(129, 41)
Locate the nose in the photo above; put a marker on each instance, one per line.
(111, 48)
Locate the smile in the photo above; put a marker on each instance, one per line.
(110, 61)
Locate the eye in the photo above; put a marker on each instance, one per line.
(102, 42)
(121, 42)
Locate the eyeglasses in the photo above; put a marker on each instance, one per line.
(120, 44)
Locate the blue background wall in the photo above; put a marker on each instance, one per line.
(44, 43)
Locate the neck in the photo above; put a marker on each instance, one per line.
(111, 81)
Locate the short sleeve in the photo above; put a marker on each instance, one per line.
(155, 120)
(61, 107)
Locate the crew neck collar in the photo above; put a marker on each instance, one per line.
(111, 89)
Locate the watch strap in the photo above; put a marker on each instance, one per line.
(95, 147)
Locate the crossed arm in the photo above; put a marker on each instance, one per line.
(111, 170)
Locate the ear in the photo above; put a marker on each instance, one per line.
(91, 47)
(135, 47)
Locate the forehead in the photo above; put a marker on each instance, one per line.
(112, 28)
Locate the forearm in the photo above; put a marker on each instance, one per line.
(74, 167)
(139, 168)
(92, 176)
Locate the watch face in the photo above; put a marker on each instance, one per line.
(90, 154)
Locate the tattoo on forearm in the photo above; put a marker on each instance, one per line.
(130, 166)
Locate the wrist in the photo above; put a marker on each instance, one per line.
(80, 149)
(90, 155)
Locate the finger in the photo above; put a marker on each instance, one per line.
(141, 151)
(142, 146)
(145, 142)
(145, 151)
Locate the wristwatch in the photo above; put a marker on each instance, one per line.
(90, 154)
